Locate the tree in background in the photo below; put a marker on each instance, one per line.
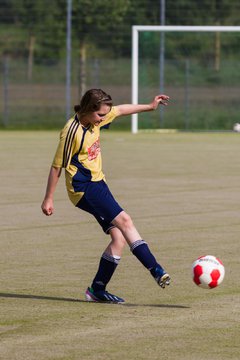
(38, 27)
(214, 12)
(93, 20)
(40, 20)
(28, 15)
(10, 43)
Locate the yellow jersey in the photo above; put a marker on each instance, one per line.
(79, 153)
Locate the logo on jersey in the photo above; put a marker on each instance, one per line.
(94, 150)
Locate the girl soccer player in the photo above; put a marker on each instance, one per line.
(79, 153)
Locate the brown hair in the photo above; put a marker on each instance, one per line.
(92, 101)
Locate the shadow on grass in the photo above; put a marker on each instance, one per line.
(38, 297)
(54, 298)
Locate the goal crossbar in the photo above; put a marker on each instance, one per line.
(162, 28)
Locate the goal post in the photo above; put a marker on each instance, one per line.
(135, 52)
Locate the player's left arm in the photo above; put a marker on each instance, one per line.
(128, 109)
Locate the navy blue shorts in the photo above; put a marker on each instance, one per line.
(99, 201)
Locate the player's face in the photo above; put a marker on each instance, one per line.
(95, 118)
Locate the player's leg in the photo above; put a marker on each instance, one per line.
(99, 202)
(140, 248)
(107, 266)
(109, 260)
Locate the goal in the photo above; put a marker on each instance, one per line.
(136, 30)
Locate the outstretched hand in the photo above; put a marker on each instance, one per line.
(160, 100)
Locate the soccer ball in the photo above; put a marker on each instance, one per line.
(236, 127)
(208, 271)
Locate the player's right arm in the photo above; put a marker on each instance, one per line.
(47, 204)
(61, 160)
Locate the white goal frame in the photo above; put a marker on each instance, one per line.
(162, 28)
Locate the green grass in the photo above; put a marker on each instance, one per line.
(182, 193)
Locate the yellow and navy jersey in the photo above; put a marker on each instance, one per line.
(79, 153)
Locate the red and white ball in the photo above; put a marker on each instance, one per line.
(208, 271)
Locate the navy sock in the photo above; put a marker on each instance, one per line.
(107, 266)
(141, 250)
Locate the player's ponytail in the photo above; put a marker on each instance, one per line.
(92, 101)
(77, 108)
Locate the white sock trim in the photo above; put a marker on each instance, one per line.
(112, 258)
(136, 244)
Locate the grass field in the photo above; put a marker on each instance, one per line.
(182, 191)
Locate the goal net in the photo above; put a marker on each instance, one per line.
(197, 66)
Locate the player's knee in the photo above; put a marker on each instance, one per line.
(124, 221)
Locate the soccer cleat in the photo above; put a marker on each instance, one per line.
(102, 296)
(161, 277)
